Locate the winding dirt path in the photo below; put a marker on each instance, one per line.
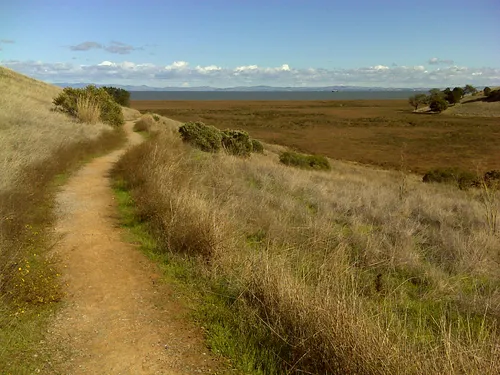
(117, 317)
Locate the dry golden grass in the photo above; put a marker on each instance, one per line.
(145, 124)
(354, 271)
(36, 145)
(130, 114)
(475, 109)
(88, 110)
(29, 131)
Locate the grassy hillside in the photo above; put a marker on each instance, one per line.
(350, 271)
(37, 147)
(475, 107)
(366, 131)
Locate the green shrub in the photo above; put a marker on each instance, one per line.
(438, 104)
(236, 142)
(206, 138)
(69, 101)
(487, 91)
(463, 179)
(156, 117)
(305, 161)
(120, 96)
(257, 146)
(493, 96)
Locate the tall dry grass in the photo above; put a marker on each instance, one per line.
(349, 275)
(36, 144)
(88, 110)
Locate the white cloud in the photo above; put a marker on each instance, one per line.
(208, 69)
(380, 67)
(177, 65)
(247, 68)
(106, 63)
(438, 61)
(181, 72)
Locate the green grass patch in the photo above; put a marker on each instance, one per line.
(21, 332)
(305, 161)
(232, 328)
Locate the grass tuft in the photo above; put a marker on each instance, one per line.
(88, 110)
(304, 161)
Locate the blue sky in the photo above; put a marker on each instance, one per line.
(228, 43)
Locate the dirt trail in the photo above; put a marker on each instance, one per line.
(117, 317)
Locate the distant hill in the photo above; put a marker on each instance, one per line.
(244, 88)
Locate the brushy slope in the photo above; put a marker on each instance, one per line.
(350, 271)
(36, 145)
(29, 131)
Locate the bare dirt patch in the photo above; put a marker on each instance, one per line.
(117, 317)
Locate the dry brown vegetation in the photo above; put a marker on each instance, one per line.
(369, 132)
(476, 108)
(144, 124)
(349, 271)
(36, 145)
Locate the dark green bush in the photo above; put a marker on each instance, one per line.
(438, 104)
(120, 96)
(492, 178)
(236, 142)
(487, 91)
(206, 138)
(494, 96)
(257, 146)
(462, 179)
(110, 111)
(305, 161)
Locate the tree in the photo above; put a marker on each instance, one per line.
(120, 96)
(438, 103)
(434, 92)
(469, 89)
(455, 95)
(459, 91)
(487, 91)
(448, 95)
(417, 99)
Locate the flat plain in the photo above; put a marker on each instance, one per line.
(375, 132)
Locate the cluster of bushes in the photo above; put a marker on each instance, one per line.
(210, 139)
(462, 179)
(90, 104)
(439, 100)
(305, 161)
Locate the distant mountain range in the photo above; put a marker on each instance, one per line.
(245, 88)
